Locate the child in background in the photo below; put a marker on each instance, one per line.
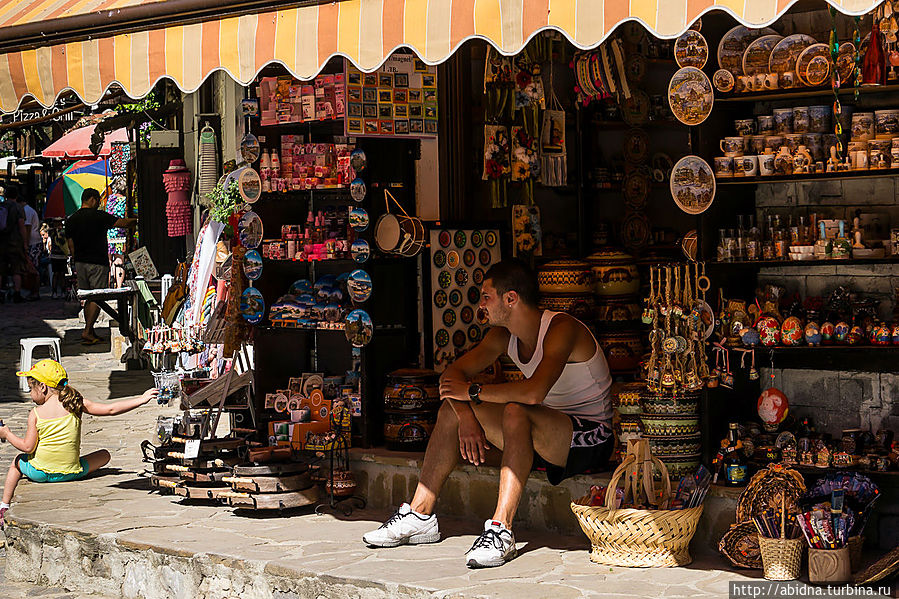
(52, 443)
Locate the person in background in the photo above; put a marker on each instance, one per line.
(59, 261)
(43, 267)
(86, 233)
(33, 235)
(13, 241)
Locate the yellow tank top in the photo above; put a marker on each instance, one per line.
(58, 445)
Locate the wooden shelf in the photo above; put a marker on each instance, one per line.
(838, 176)
(860, 358)
(802, 263)
(805, 92)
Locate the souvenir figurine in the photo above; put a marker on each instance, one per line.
(807, 458)
(749, 336)
(841, 459)
(827, 333)
(813, 334)
(856, 335)
(895, 334)
(881, 335)
(840, 332)
(791, 331)
(823, 459)
(789, 455)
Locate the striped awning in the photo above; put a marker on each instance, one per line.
(17, 12)
(364, 31)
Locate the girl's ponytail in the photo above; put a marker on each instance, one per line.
(71, 400)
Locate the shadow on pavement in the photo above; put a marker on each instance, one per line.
(72, 346)
(134, 484)
(124, 383)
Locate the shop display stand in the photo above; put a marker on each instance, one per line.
(338, 457)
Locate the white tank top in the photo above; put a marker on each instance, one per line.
(583, 387)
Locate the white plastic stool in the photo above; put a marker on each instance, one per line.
(27, 349)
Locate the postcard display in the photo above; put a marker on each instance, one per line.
(397, 100)
(459, 259)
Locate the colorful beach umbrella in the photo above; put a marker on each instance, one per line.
(64, 195)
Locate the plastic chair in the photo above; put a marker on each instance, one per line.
(26, 349)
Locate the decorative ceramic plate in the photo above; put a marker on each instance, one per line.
(466, 314)
(300, 286)
(635, 68)
(477, 276)
(636, 188)
(249, 184)
(359, 328)
(459, 338)
(449, 317)
(690, 96)
(474, 295)
(635, 231)
(357, 190)
(734, 43)
(635, 110)
(806, 57)
(440, 298)
(706, 317)
(445, 279)
(692, 184)
(249, 230)
(252, 305)
(360, 251)
(452, 259)
(249, 148)
(358, 160)
(358, 219)
(459, 239)
(818, 70)
(723, 80)
(461, 277)
(444, 238)
(490, 238)
(846, 62)
(784, 54)
(439, 258)
(484, 256)
(474, 333)
(691, 50)
(757, 54)
(441, 337)
(455, 297)
(252, 265)
(468, 257)
(477, 238)
(636, 145)
(359, 286)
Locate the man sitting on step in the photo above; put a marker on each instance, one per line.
(559, 416)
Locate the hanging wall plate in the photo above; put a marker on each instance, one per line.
(635, 110)
(691, 49)
(734, 43)
(357, 190)
(846, 62)
(359, 219)
(252, 265)
(755, 59)
(249, 148)
(690, 96)
(249, 230)
(359, 286)
(252, 305)
(636, 145)
(359, 328)
(249, 184)
(692, 184)
(360, 251)
(358, 160)
(636, 189)
(822, 68)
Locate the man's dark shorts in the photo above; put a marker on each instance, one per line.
(592, 443)
(13, 259)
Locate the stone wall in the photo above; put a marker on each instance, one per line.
(837, 400)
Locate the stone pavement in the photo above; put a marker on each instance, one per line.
(109, 534)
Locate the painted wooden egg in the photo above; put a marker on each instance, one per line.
(749, 336)
(856, 335)
(772, 407)
(791, 331)
(840, 332)
(769, 331)
(881, 335)
(827, 333)
(896, 334)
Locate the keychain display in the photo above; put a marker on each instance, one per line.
(173, 339)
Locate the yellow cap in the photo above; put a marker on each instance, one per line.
(49, 372)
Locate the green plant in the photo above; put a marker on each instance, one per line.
(223, 201)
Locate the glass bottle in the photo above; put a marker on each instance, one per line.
(842, 247)
(768, 243)
(736, 469)
(753, 241)
(731, 245)
(780, 240)
(822, 246)
(722, 246)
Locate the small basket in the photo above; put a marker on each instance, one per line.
(781, 558)
(635, 537)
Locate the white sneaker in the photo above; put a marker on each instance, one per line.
(405, 527)
(494, 547)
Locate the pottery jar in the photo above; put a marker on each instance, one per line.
(819, 119)
(783, 162)
(623, 350)
(565, 276)
(617, 312)
(765, 124)
(412, 389)
(862, 126)
(580, 305)
(744, 126)
(614, 273)
(802, 160)
(408, 432)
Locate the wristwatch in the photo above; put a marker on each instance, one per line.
(474, 393)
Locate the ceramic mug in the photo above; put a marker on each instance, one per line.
(766, 124)
(731, 146)
(766, 164)
(800, 119)
(819, 119)
(738, 167)
(859, 159)
(819, 166)
(750, 165)
(770, 82)
(774, 141)
(758, 82)
(793, 141)
(783, 120)
(894, 156)
(744, 83)
(724, 166)
(862, 126)
(744, 126)
(787, 79)
(757, 144)
(876, 159)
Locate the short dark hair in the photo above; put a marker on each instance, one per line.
(514, 275)
(90, 194)
(11, 192)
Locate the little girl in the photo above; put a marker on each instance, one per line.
(53, 439)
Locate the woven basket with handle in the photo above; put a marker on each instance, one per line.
(638, 537)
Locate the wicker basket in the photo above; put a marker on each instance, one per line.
(635, 537)
(781, 558)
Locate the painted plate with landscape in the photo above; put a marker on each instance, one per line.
(692, 184)
(690, 96)
(734, 43)
(783, 56)
(755, 59)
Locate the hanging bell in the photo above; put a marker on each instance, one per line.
(727, 381)
(668, 379)
(646, 318)
(753, 374)
(712, 382)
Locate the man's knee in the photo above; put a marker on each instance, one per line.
(446, 413)
(516, 415)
